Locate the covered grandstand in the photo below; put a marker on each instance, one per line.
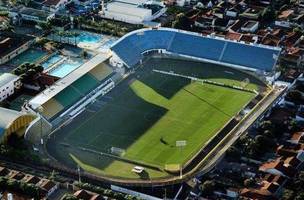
(13, 122)
(131, 47)
(67, 91)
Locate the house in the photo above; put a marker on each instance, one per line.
(4, 22)
(270, 39)
(234, 36)
(270, 178)
(9, 83)
(283, 19)
(86, 195)
(204, 21)
(30, 179)
(297, 138)
(250, 26)
(291, 38)
(11, 45)
(49, 187)
(253, 12)
(16, 175)
(54, 5)
(4, 171)
(269, 188)
(30, 14)
(292, 150)
(280, 167)
(294, 55)
(261, 194)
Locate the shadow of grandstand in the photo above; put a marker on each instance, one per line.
(115, 125)
(123, 116)
(194, 69)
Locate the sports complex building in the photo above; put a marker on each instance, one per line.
(156, 89)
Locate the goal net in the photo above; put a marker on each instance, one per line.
(117, 151)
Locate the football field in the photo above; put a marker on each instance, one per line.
(147, 113)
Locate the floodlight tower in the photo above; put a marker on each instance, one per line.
(181, 144)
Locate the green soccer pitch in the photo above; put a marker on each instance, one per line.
(147, 113)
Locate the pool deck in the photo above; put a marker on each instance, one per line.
(61, 84)
(93, 46)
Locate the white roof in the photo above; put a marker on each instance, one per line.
(6, 78)
(137, 2)
(61, 84)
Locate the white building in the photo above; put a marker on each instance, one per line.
(54, 5)
(8, 84)
(133, 11)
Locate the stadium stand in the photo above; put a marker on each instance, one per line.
(131, 47)
(101, 71)
(197, 46)
(84, 84)
(128, 52)
(152, 40)
(53, 108)
(67, 97)
(263, 58)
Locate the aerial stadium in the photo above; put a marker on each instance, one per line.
(160, 101)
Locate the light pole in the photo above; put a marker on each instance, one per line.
(40, 110)
(181, 144)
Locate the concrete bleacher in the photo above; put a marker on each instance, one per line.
(197, 46)
(249, 56)
(74, 92)
(53, 108)
(131, 47)
(152, 40)
(86, 83)
(101, 71)
(67, 96)
(128, 52)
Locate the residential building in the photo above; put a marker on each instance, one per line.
(12, 45)
(9, 83)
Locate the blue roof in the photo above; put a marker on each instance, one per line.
(130, 48)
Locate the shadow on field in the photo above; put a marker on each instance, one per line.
(202, 70)
(125, 117)
(119, 123)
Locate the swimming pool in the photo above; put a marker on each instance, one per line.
(30, 56)
(51, 61)
(87, 37)
(65, 68)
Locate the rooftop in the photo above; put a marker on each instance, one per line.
(11, 41)
(7, 78)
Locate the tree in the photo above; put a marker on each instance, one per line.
(45, 26)
(294, 96)
(287, 194)
(233, 153)
(300, 196)
(249, 182)
(181, 22)
(266, 125)
(208, 187)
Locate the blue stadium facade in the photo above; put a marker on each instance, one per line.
(130, 49)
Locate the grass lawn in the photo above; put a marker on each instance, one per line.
(147, 113)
